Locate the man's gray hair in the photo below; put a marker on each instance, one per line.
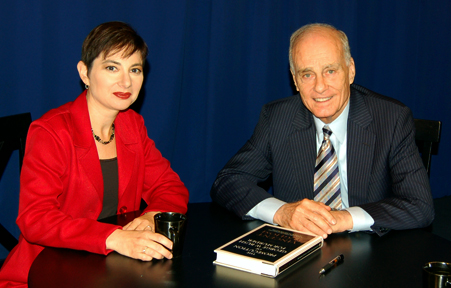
(309, 27)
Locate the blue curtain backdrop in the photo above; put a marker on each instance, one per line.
(214, 63)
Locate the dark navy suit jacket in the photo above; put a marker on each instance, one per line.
(385, 174)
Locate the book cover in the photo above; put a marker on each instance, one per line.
(267, 250)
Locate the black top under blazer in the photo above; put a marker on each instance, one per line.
(386, 176)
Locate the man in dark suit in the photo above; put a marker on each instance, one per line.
(379, 181)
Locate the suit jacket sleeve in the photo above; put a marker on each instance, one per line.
(237, 184)
(408, 202)
(386, 176)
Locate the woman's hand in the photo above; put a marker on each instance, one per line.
(144, 245)
(144, 222)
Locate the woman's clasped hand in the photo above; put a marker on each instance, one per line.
(138, 240)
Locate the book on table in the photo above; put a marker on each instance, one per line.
(267, 250)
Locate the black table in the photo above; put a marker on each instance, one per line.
(394, 260)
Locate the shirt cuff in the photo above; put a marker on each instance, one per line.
(362, 221)
(266, 209)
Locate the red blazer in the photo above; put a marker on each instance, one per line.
(61, 189)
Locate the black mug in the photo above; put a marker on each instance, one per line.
(437, 275)
(173, 226)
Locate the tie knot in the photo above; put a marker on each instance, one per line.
(327, 132)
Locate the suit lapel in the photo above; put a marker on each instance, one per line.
(360, 149)
(302, 146)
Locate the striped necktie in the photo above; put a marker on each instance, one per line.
(327, 179)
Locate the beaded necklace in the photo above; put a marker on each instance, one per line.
(100, 140)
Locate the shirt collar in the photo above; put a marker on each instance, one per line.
(338, 127)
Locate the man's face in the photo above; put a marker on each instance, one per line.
(321, 75)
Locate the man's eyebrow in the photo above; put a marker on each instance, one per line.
(307, 69)
(333, 65)
(310, 69)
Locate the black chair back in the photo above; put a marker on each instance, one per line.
(13, 134)
(427, 138)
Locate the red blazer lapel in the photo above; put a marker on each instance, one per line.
(84, 143)
(126, 142)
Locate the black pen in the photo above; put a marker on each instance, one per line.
(334, 262)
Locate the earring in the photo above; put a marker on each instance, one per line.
(87, 87)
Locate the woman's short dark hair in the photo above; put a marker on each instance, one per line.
(112, 37)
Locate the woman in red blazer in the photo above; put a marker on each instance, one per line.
(92, 158)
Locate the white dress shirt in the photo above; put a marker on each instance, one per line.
(362, 221)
